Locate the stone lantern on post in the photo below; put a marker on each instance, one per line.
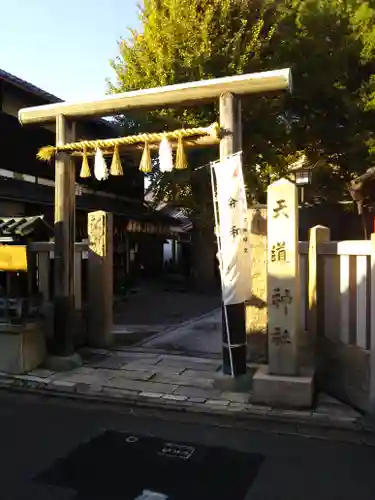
(302, 170)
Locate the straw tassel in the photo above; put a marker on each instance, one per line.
(46, 153)
(116, 167)
(85, 169)
(181, 160)
(145, 165)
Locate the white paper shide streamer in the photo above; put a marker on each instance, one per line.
(234, 231)
(165, 156)
(100, 166)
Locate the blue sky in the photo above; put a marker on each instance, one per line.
(64, 47)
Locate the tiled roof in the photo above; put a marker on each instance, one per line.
(46, 96)
(22, 226)
(28, 87)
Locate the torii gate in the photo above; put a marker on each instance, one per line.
(63, 114)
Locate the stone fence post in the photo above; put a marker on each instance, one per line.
(317, 235)
(100, 279)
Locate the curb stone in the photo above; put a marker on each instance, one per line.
(245, 415)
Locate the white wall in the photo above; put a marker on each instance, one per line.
(167, 251)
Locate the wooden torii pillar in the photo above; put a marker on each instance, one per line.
(227, 90)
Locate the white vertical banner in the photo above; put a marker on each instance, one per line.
(232, 228)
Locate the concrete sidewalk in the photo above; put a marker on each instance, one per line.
(181, 383)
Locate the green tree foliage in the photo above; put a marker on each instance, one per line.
(328, 44)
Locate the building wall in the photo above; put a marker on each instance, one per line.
(20, 146)
(11, 208)
(151, 254)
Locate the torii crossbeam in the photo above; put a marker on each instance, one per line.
(63, 114)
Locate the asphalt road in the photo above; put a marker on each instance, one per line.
(59, 450)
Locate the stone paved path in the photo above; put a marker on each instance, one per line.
(166, 309)
(175, 382)
(200, 335)
(164, 305)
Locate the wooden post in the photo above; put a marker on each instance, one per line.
(174, 253)
(317, 235)
(372, 329)
(230, 124)
(78, 280)
(64, 244)
(127, 254)
(43, 277)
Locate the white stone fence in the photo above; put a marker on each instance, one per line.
(343, 275)
(44, 257)
(338, 311)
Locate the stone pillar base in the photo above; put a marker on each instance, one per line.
(63, 363)
(283, 391)
(22, 347)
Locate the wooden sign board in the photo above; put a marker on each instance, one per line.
(13, 258)
(146, 227)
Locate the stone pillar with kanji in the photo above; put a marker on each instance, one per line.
(282, 279)
(282, 382)
(100, 279)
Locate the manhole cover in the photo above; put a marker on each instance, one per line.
(122, 466)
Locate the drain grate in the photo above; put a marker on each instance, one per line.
(116, 465)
